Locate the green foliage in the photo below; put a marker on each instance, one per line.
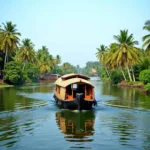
(45, 60)
(26, 52)
(68, 68)
(32, 72)
(147, 87)
(9, 39)
(146, 38)
(102, 72)
(13, 73)
(57, 70)
(116, 77)
(145, 76)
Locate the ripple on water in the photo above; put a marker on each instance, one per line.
(31, 118)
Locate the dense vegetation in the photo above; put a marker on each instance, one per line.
(20, 62)
(124, 60)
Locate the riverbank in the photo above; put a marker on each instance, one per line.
(131, 84)
(137, 84)
(4, 85)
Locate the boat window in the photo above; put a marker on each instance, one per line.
(74, 86)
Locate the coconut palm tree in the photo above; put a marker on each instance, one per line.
(58, 59)
(146, 38)
(101, 56)
(26, 52)
(126, 54)
(44, 61)
(9, 39)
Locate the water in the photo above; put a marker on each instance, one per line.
(29, 119)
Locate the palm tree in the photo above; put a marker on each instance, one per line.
(68, 68)
(125, 54)
(146, 38)
(44, 60)
(100, 54)
(58, 59)
(9, 39)
(26, 52)
(52, 62)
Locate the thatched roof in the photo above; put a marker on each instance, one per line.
(73, 75)
(65, 83)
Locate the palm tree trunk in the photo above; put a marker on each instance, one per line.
(108, 74)
(129, 73)
(6, 51)
(24, 65)
(133, 76)
(123, 74)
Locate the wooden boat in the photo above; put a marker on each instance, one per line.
(74, 91)
(50, 77)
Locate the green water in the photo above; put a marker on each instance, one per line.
(29, 119)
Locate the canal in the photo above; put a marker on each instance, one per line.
(29, 119)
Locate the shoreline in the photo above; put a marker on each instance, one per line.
(4, 85)
(139, 85)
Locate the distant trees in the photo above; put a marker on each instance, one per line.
(68, 68)
(89, 66)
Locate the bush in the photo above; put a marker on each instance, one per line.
(116, 77)
(145, 76)
(32, 72)
(147, 87)
(13, 73)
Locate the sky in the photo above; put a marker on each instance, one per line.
(74, 29)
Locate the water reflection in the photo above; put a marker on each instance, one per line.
(8, 132)
(77, 126)
(11, 100)
(126, 97)
(11, 130)
(29, 117)
(125, 128)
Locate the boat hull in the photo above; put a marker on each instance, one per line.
(79, 103)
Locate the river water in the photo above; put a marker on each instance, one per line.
(30, 120)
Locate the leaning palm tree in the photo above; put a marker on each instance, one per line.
(126, 54)
(146, 38)
(26, 52)
(9, 39)
(100, 54)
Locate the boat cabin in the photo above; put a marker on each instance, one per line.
(68, 85)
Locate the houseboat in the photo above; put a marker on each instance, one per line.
(74, 91)
(50, 77)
